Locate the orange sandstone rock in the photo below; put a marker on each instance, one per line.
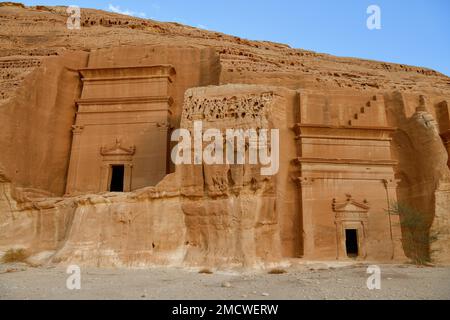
(85, 169)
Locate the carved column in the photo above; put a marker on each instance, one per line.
(394, 220)
(74, 159)
(166, 128)
(306, 202)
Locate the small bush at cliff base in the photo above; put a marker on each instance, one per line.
(15, 255)
(416, 235)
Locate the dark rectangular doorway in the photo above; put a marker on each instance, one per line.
(117, 175)
(351, 242)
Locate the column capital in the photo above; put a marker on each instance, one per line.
(162, 126)
(77, 129)
(303, 181)
(391, 182)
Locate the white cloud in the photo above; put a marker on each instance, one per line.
(201, 26)
(127, 12)
(117, 9)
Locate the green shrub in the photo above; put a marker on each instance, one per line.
(416, 236)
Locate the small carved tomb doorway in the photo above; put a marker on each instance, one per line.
(117, 177)
(351, 226)
(351, 243)
(116, 167)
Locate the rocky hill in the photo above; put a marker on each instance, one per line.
(29, 34)
(361, 134)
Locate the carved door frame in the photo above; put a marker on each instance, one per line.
(116, 155)
(351, 215)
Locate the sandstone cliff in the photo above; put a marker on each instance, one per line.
(185, 218)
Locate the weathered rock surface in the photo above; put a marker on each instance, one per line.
(211, 215)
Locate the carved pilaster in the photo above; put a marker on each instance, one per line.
(306, 203)
(127, 177)
(394, 219)
(74, 159)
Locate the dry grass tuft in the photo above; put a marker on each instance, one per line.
(205, 271)
(15, 255)
(277, 271)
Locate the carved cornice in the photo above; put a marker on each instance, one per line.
(386, 162)
(130, 72)
(350, 205)
(338, 137)
(126, 100)
(299, 126)
(350, 210)
(117, 150)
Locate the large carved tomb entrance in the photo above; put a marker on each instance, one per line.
(346, 178)
(120, 135)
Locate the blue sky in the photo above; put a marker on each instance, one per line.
(414, 32)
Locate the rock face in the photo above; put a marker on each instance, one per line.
(85, 166)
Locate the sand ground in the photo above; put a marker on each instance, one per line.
(306, 281)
